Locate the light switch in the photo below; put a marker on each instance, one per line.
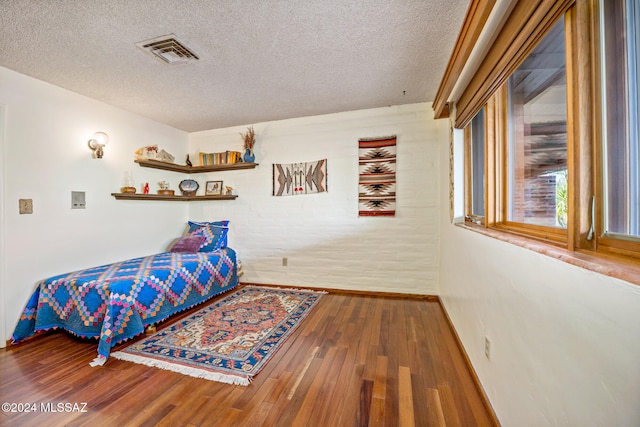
(77, 200)
(25, 206)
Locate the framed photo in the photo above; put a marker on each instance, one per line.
(213, 188)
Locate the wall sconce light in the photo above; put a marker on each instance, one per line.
(97, 143)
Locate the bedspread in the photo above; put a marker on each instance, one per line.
(115, 302)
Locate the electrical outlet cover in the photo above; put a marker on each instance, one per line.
(78, 200)
(25, 206)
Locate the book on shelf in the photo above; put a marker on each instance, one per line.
(223, 158)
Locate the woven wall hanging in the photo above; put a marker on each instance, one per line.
(300, 178)
(377, 184)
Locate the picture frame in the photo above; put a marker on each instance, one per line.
(213, 188)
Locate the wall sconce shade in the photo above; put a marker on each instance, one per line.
(97, 143)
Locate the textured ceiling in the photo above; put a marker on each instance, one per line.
(260, 60)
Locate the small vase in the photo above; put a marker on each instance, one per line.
(248, 156)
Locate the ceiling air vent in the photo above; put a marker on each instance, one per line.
(169, 49)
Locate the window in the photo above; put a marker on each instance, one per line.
(529, 172)
(620, 64)
(537, 135)
(552, 129)
(475, 165)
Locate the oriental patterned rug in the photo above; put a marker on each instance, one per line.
(230, 340)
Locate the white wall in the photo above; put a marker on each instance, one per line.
(326, 243)
(565, 345)
(3, 181)
(46, 157)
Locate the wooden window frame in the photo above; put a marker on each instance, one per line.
(496, 165)
(469, 216)
(468, 178)
(553, 235)
(616, 246)
(497, 168)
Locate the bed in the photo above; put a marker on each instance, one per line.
(115, 302)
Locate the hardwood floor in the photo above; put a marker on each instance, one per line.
(355, 361)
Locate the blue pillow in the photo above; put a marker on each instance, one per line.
(215, 234)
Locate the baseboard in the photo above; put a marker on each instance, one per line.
(474, 376)
(11, 345)
(177, 316)
(430, 298)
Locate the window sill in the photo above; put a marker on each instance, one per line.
(620, 268)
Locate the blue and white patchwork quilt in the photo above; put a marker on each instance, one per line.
(117, 301)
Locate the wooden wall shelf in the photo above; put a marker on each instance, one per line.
(155, 164)
(177, 198)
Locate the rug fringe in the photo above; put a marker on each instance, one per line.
(181, 369)
(98, 361)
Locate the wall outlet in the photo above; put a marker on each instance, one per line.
(78, 200)
(487, 348)
(25, 206)
(285, 261)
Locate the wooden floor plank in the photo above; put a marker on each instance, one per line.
(405, 398)
(355, 361)
(313, 395)
(379, 394)
(435, 405)
(325, 401)
(364, 407)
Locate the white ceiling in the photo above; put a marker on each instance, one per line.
(260, 60)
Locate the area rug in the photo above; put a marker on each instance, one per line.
(230, 340)
(377, 184)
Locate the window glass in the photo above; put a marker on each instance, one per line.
(477, 164)
(537, 135)
(621, 83)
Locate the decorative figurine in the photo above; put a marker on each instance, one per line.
(189, 161)
(163, 156)
(152, 152)
(148, 152)
(164, 189)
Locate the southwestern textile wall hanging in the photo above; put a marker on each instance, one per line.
(300, 178)
(377, 185)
